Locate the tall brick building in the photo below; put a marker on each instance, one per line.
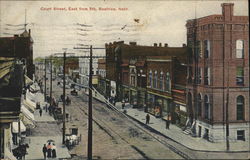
(218, 76)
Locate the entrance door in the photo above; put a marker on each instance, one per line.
(199, 131)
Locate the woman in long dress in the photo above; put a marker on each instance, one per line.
(53, 151)
(49, 148)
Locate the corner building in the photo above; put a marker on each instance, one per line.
(218, 76)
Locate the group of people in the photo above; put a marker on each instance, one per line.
(49, 151)
(168, 120)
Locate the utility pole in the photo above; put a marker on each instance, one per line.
(90, 108)
(64, 59)
(50, 81)
(44, 79)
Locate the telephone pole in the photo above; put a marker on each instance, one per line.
(90, 108)
(45, 79)
(50, 81)
(63, 99)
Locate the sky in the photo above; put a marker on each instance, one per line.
(100, 22)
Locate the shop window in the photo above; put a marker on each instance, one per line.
(150, 79)
(199, 105)
(168, 82)
(239, 49)
(207, 76)
(207, 107)
(161, 81)
(241, 135)
(240, 108)
(155, 80)
(239, 76)
(206, 49)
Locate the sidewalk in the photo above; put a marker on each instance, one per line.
(175, 133)
(46, 129)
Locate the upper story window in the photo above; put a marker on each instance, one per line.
(207, 76)
(239, 76)
(199, 75)
(155, 80)
(239, 49)
(168, 82)
(240, 108)
(161, 81)
(199, 49)
(206, 49)
(150, 78)
(207, 107)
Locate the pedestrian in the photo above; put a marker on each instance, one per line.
(49, 150)
(168, 121)
(46, 107)
(53, 151)
(40, 111)
(167, 124)
(44, 151)
(123, 104)
(147, 119)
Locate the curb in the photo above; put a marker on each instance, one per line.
(157, 132)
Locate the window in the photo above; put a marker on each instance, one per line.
(150, 79)
(239, 76)
(207, 76)
(161, 81)
(199, 49)
(241, 135)
(207, 107)
(199, 105)
(239, 49)
(199, 75)
(206, 48)
(168, 82)
(155, 79)
(240, 108)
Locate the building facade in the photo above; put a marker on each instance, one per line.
(218, 76)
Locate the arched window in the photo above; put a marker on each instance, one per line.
(207, 107)
(150, 78)
(239, 49)
(161, 81)
(199, 105)
(168, 82)
(155, 79)
(240, 108)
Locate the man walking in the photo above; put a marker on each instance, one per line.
(40, 111)
(44, 151)
(147, 119)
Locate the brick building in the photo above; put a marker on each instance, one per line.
(218, 75)
(142, 76)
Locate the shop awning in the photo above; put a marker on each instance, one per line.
(15, 127)
(29, 105)
(27, 113)
(28, 81)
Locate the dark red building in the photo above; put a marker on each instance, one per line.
(218, 75)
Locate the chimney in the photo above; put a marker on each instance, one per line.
(132, 43)
(227, 11)
(184, 45)
(155, 44)
(166, 45)
(159, 44)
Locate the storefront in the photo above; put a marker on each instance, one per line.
(133, 97)
(158, 105)
(125, 93)
(180, 113)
